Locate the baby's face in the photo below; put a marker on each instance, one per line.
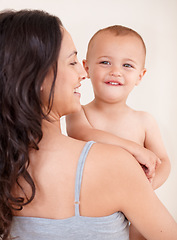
(115, 64)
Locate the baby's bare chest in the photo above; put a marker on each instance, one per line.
(129, 127)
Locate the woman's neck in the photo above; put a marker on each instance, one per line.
(51, 131)
(51, 125)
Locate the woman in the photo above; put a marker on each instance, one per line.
(46, 191)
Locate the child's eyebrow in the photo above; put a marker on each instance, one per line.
(104, 57)
(131, 60)
(125, 59)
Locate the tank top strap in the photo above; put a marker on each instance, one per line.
(79, 173)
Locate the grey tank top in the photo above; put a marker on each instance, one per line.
(112, 227)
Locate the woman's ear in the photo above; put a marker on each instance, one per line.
(85, 65)
(141, 75)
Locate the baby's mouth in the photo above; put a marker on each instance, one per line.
(114, 83)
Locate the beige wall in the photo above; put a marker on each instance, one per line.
(156, 21)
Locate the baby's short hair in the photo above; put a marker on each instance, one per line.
(118, 30)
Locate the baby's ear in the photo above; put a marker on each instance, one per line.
(141, 75)
(85, 65)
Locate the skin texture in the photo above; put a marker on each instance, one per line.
(115, 66)
(107, 178)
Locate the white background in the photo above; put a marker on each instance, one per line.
(156, 21)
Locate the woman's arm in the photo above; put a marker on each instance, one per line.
(134, 196)
(78, 127)
(153, 142)
(134, 234)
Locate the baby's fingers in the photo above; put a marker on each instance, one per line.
(151, 179)
(150, 168)
(149, 174)
(158, 161)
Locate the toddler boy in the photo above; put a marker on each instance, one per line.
(115, 64)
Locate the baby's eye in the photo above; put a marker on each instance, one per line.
(105, 62)
(73, 63)
(127, 65)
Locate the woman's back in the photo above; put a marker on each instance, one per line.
(113, 226)
(112, 182)
(53, 169)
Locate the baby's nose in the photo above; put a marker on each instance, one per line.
(115, 71)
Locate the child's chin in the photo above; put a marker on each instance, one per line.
(112, 99)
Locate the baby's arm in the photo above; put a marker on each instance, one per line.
(153, 142)
(78, 127)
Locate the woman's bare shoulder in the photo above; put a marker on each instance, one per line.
(114, 163)
(111, 155)
(109, 173)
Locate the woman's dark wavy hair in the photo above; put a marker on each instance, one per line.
(30, 42)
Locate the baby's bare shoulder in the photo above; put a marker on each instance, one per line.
(143, 116)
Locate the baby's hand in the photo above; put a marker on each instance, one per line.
(149, 177)
(149, 161)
